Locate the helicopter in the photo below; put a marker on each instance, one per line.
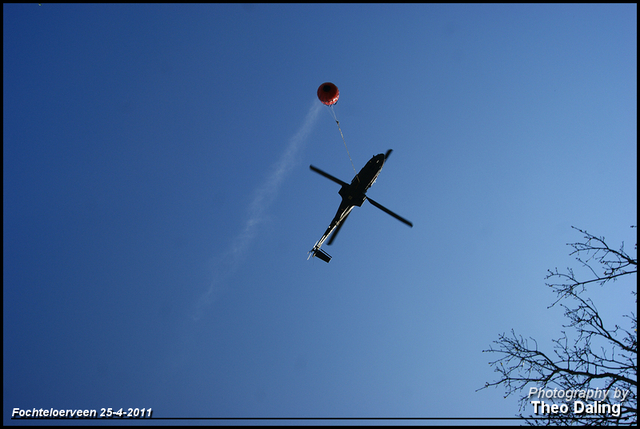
(353, 194)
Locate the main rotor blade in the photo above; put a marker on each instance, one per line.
(386, 155)
(327, 175)
(386, 210)
(337, 230)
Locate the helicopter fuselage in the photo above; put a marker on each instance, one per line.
(354, 193)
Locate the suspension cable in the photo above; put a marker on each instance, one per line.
(344, 141)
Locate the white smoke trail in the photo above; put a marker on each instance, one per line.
(264, 196)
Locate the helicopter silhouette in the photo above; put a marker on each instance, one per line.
(353, 194)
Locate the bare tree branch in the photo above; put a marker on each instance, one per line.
(597, 356)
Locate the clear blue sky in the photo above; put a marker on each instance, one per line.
(158, 205)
